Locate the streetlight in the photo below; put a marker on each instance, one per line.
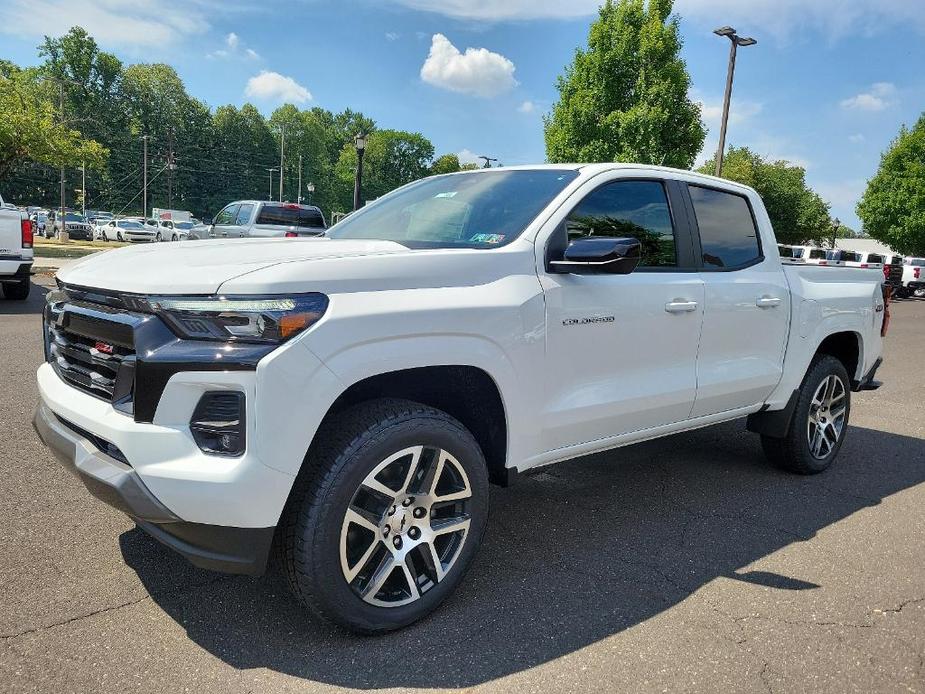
(310, 187)
(360, 142)
(270, 175)
(735, 41)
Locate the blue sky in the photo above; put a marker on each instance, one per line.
(828, 85)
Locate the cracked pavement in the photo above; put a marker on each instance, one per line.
(685, 564)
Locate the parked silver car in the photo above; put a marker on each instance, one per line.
(258, 218)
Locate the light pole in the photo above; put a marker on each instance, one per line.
(310, 187)
(735, 42)
(299, 189)
(144, 214)
(360, 142)
(282, 148)
(270, 172)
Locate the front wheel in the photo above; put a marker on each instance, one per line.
(119, 236)
(386, 517)
(173, 237)
(819, 423)
(157, 237)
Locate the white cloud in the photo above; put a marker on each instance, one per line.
(467, 156)
(234, 49)
(880, 96)
(392, 36)
(139, 24)
(526, 107)
(740, 111)
(478, 71)
(857, 138)
(272, 86)
(834, 18)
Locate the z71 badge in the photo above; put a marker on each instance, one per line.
(588, 321)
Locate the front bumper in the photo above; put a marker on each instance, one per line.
(219, 548)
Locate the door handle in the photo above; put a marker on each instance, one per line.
(767, 302)
(681, 306)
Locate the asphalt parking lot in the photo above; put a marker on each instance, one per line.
(686, 564)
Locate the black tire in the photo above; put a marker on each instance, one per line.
(157, 237)
(793, 452)
(345, 452)
(18, 291)
(173, 237)
(119, 236)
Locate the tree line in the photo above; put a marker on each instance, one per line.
(81, 106)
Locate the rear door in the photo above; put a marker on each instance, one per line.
(746, 317)
(242, 220)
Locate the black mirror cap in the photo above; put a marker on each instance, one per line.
(600, 255)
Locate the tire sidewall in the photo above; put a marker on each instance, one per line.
(334, 594)
(825, 367)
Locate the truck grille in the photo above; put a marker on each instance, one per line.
(91, 347)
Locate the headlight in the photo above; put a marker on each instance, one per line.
(272, 319)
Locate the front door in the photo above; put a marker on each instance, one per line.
(622, 349)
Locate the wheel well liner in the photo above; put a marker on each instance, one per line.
(846, 347)
(465, 392)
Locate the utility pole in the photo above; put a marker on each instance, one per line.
(170, 169)
(61, 109)
(270, 176)
(144, 213)
(83, 186)
(282, 148)
(299, 196)
(735, 41)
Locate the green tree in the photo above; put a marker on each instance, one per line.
(798, 214)
(625, 97)
(392, 159)
(31, 128)
(446, 163)
(893, 206)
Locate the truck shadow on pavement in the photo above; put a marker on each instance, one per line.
(34, 304)
(573, 554)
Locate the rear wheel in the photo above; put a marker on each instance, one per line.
(157, 237)
(17, 291)
(388, 517)
(119, 236)
(819, 423)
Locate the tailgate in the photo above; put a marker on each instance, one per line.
(11, 235)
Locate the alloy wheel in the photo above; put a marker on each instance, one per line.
(405, 526)
(826, 417)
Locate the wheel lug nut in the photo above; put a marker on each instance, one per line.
(414, 533)
(392, 511)
(419, 512)
(407, 502)
(386, 530)
(397, 542)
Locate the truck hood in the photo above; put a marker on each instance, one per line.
(201, 267)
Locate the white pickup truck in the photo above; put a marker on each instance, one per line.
(16, 254)
(346, 400)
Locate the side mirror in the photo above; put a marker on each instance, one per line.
(599, 255)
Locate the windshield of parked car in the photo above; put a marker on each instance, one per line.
(816, 254)
(917, 262)
(71, 217)
(469, 210)
(129, 224)
(182, 225)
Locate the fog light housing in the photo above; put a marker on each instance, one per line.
(218, 424)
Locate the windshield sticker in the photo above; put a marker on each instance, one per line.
(450, 194)
(487, 238)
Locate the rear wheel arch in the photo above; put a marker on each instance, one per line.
(847, 347)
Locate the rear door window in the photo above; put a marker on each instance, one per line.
(728, 235)
(290, 216)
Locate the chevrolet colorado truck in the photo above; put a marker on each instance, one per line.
(345, 401)
(16, 253)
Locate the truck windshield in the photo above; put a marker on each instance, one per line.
(70, 217)
(470, 210)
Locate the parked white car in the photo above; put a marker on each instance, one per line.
(126, 230)
(352, 396)
(170, 230)
(16, 253)
(913, 282)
